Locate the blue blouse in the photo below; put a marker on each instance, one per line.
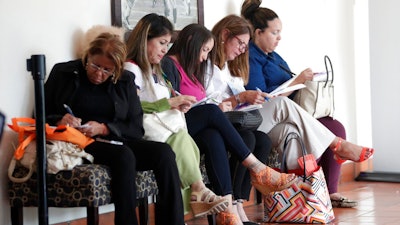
(266, 71)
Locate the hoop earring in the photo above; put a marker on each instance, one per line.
(113, 79)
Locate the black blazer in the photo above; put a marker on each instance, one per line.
(61, 87)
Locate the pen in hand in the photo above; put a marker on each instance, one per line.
(287, 70)
(177, 93)
(69, 110)
(259, 90)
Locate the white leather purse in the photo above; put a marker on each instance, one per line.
(317, 98)
(158, 126)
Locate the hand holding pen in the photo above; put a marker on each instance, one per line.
(69, 119)
(90, 129)
(265, 95)
(305, 75)
(181, 102)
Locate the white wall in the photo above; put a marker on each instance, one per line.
(311, 29)
(385, 47)
(50, 27)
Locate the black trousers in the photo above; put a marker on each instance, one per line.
(214, 134)
(260, 145)
(123, 161)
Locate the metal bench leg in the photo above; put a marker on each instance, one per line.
(143, 205)
(17, 217)
(92, 214)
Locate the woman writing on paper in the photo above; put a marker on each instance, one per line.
(268, 70)
(257, 142)
(103, 98)
(147, 44)
(280, 115)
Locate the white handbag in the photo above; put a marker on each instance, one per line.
(317, 98)
(158, 126)
(61, 155)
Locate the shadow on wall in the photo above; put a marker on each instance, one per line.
(82, 39)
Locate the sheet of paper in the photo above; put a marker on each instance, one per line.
(283, 86)
(320, 76)
(286, 89)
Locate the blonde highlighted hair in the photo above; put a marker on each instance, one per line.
(236, 25)
(110, 46)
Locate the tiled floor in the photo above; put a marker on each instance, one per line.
(378, 203)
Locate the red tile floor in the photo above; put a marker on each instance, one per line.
(378, 203)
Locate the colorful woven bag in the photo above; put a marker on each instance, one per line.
(305, 201)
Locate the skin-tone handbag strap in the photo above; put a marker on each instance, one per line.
(11, 169)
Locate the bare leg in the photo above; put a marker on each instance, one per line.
(240, 210)
(230, 216)
(265, 179)
(204, 201)
(346, 150)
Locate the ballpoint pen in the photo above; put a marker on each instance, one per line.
(177, 93)
(215, 100)
(259, 90)
(287, 70)
(69, 110)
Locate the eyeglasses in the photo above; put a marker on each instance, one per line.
(242, 44)
(98, 68)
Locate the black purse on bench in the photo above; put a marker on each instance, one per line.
(245, 120)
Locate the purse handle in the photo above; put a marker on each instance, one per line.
(289, 137)
(326, 61)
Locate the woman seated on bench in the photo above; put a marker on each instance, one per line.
(147, 45)
(230, 36)
(103, 97)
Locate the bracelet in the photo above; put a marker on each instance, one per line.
(237, 98)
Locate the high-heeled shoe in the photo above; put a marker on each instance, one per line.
(262, 181)
(207, 203)
(362, 157)
(225, 218)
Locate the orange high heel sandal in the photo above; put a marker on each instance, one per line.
(225, 218)
(262, 181)
(362, 158)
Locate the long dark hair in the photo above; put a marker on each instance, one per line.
(187, 48)
(150, 26)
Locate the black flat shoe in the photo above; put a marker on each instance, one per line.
(343, 203)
